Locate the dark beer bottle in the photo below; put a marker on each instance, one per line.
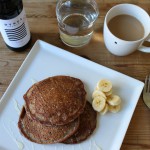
(13, 25)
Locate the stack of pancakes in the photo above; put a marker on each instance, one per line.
(56, 111)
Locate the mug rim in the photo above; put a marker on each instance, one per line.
(106, 23)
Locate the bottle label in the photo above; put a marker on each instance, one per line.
(15, 32)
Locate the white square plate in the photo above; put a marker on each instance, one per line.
(46, 60)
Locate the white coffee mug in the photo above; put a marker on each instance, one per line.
(121, 47)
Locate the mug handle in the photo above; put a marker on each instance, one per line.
(144, 48)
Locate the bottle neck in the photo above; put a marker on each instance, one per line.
(10, 8)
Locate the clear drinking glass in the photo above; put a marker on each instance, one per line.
(75, 21)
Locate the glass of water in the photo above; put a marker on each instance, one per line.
(75, 20)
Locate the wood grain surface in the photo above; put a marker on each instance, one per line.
(43, 25)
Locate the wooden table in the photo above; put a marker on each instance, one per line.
(43, 24)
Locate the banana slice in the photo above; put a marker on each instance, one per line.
(108, 93)
(114, 100)
(114, 109)
(105, 110)
(99, 103)
(98, 93)
(104, 85)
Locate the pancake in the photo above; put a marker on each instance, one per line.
(87, 125)
(39, 133)
(56, 100)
